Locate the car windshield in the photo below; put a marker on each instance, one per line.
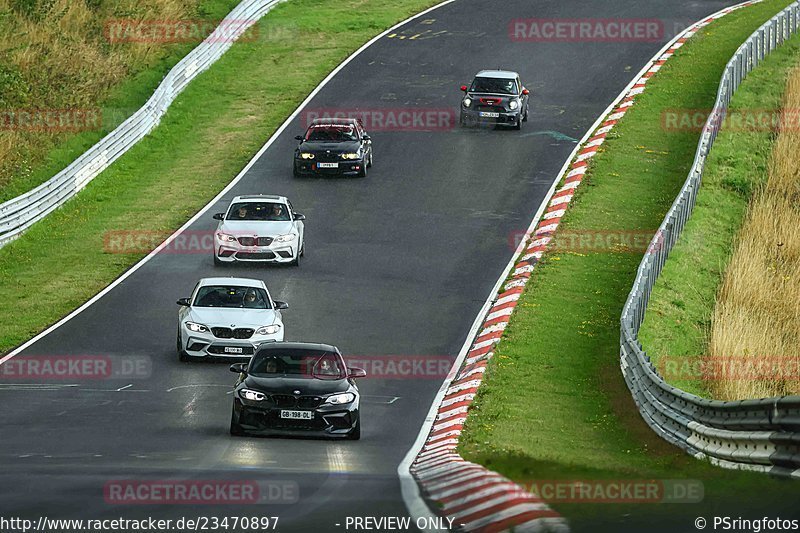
(298, 363)
(232, 296)
(263, 211)
(332, 132)
(494, 85)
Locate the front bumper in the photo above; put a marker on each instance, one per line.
(479, 116)
(328, 420)
(201, 345)
(277, 252)
(343, 167)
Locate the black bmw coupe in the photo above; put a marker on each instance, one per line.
(296, 389)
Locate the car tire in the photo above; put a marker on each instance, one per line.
(525, 118)
(217, 262)
(236, 429)
(355, 434)
(295, 172)
(183, 357)
(370, 160)
(462, 120)
(363, 172)
(296, 262)
(518, 125)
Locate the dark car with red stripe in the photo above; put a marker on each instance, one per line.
(333, 146)
(495, 97)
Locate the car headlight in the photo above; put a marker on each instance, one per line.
(306, 155)
(467, 102)
(341, 399)
(225, 237)
(268, 330)
(198, 328)
(350, 156)
(252, 395)
(513, 104)
(286, 238)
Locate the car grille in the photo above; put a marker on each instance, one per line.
(228, 333)
(287, 401)
(327, 158)
(255, 255)
(220, 350)
(255, 241)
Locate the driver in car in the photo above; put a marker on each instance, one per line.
(277, 212)
(242, 212)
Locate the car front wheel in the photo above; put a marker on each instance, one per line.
(355, 434)
(236, 429)
(183, 357)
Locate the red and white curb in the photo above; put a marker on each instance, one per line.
(474, 498)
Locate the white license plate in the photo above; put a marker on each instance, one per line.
(229, 349)
(328, 165)
(489, 114)
(297, 415)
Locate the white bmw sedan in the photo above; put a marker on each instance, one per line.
(227, 317)
(261, 228)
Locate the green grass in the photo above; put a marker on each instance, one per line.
(554, 403)
(678, 319)
(42, 155)
(207, 136)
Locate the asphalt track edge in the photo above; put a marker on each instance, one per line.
(416, 503)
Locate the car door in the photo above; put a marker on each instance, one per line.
(366, 144)
(298, 225)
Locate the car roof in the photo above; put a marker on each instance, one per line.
(270, 197)
(241, 282)
(496, 74)
(298, 346)
(332, 120)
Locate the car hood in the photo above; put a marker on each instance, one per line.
(286, 385)
(239, 317)
(255, 227)
(334, 147)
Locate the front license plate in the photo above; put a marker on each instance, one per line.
(229, 349)
(328, 165)
(489, 114)
(297, 415)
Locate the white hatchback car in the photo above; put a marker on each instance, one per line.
(261, 228)
(228, 317)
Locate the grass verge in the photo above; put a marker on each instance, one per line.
(554, 404)
(206, 137)
(56, 55)
(678, 324)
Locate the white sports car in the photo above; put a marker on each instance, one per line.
(227, 317)
(259, 228)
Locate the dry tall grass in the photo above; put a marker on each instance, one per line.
(54, 55)
(757, 314)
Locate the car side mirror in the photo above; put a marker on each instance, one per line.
(464, 88)
(356, 373)
(366, 137)
(299, 216)
(183, 302)
(219, 216)
(239, 368)
(281, 305)
(299, 137)
(525, 91)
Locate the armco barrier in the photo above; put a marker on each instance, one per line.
(20, 213)
(751, 434)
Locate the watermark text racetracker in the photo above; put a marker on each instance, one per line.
(617, 490)
(200, 492)
(586, 30)
(389, 119)
(49, 368)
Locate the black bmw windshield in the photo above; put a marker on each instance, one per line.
(263, 211)
(332, 133)
(494, 86)
(298, 363)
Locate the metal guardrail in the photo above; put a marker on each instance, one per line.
(760, 434)
(20, 213)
